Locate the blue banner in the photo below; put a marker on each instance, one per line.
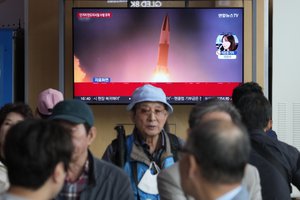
(6, 66)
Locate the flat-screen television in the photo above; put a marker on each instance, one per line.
(191, 53)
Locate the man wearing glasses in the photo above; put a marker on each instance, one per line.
(149, 147)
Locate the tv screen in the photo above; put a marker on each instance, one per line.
(191, 53)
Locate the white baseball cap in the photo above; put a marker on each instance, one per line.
(149, 93)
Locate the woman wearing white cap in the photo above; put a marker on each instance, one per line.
(149, 148)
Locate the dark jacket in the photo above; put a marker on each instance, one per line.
(275, 184)
(136, 155)
(106, 182)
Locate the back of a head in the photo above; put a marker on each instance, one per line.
(244, 89)
(256, 111)
(32, 149)
(212, 105)
(47, 99)
(222, 149)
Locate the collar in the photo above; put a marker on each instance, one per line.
(13, 196)
(261, 136)
(85, 172)
(257, 131)
(91, 169)
(139, 152)
(231, 194)
(139, 140)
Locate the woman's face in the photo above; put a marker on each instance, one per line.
(225, 43)
(150, 118)
(11, 119)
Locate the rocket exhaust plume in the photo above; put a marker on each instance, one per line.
(161, 72)
(79, 74)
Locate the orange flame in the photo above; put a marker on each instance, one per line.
(161, 74)
(79, 74)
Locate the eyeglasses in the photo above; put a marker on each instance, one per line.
(159, 113)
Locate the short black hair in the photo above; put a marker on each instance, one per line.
(32, 150)
(19, 107)
(244, 89)
(212, 105)
(222, 150)
(256, 111)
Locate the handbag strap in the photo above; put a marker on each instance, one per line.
(134, 173)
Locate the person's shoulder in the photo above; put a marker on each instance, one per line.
(262, 137)
(289, 151)
(170, 175)
(251, 176)
(251, 169)
(170, 171)
(105, 168)
(176, 140)
(282, 146)
(286, 145)
(104, 165)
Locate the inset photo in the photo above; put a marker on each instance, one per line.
(226, 44)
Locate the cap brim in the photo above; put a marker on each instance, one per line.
(132, 104)
(170, 108)
(68, 118)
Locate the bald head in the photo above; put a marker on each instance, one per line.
(216, 115)
(221, 149)
(213, 109)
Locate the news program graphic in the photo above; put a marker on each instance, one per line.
(227, 45)
(116, 50)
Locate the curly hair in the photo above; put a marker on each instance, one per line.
(19, 107)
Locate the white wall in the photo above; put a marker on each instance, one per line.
(286, 72)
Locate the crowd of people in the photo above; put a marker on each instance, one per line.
(231, 151)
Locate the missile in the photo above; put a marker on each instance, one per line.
(163, 50)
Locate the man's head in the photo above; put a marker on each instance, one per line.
(256, 111)
(213, 109)
(38, 153)
(78, 117)
(244, 89)
(216, 153)
(47, 99)
(149, 110)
